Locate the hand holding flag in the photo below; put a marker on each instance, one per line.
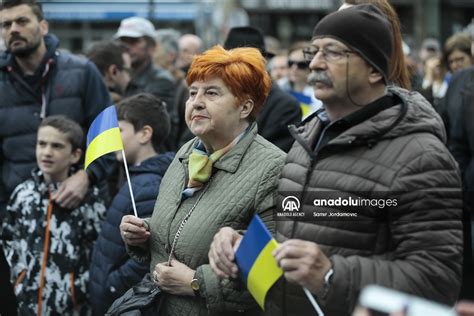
(258, 266)
(254, 257)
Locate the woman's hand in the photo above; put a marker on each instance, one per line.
(221, 253)
(175, 279)
(134, 231)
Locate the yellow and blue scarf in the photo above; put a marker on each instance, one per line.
(200, 165)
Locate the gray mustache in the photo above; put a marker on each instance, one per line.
(319, 76)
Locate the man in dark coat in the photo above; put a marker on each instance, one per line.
(37, 80)
(140, 37)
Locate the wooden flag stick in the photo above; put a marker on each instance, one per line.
(129, 183)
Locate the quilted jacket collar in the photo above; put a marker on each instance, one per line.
(412, 115)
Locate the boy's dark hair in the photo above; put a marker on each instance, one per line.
(106, 53)
(71, 129)
(35, 7)
(146, 109)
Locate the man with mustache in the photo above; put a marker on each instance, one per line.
(37, 80)
(375, 161)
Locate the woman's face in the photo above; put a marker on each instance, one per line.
(213, 113)
(458, 60)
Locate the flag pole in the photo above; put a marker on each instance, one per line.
(129, 183)
(313, 302)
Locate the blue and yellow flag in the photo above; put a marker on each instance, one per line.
(103, 136)
(305, 102)
(257, 266)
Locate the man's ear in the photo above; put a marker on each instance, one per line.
(145, 134)
(110, 74)
(375, 76)
(76, 155)
(247, 107)
(44, 27)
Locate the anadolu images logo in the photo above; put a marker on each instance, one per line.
(290, 204)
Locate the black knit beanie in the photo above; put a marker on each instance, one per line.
(365, 29)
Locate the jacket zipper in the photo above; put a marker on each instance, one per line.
(42, 86)
(306, 147)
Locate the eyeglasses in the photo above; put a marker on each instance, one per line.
(300, 64)
(330, 55)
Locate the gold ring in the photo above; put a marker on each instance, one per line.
(124, 234)
(155, 276)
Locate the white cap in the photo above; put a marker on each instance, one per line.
(136, 27)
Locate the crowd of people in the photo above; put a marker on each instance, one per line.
(216, 135)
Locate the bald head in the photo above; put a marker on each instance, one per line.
(189, 46)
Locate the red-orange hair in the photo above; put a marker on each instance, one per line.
(242, 70)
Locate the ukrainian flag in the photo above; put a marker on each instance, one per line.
(305, 103)
(103, 136)
(254, 257)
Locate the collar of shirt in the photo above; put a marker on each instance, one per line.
(333, 129)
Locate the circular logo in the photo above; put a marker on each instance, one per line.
(291, 204)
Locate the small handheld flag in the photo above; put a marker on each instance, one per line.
(258, 267)
(103, 136)
(256, 264)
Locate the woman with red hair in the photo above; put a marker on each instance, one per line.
(223, 177)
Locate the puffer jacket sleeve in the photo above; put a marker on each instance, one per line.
(96, 99)
(232, 295)
(425, 238)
